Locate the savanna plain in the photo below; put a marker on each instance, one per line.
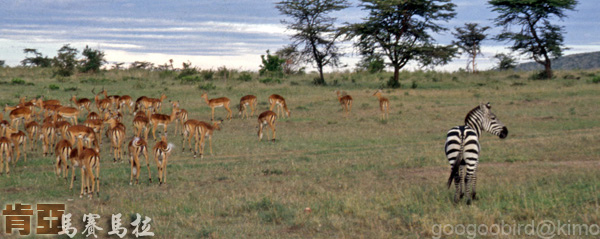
(360, 176)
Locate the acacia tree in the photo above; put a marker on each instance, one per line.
(36, 59)
(468, 40)
(94, 59)
(401, 31)
(65, 61)
(315, 35)
(536, 36)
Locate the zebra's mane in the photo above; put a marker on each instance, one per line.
(471, 113)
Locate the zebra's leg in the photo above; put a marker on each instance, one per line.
(464, 182)
(474, 179)
(458, 185)
(470, 186)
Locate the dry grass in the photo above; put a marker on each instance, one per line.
(361, 177)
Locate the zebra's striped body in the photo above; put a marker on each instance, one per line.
(462, 149)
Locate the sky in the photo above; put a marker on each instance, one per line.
(211, 34)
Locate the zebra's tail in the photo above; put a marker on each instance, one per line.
(454, 172)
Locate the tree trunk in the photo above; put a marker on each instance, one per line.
(395, 82)
(548, 69)
(321, 80)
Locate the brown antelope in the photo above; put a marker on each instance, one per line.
(125, 101)
(87, 159)
(145, 104)
(19, 138)
(248, 100)
(218, 102)
(6, 150)
(157, 103)
(97, 125)
(82, 132)
(140, 124)
(47, 135)
(181, 117)
(203, 130)
(162, 150)
(83, 103)
(267, 117)
(384, 104)
(68, 113)
(345, 101)
(22, 114)
(101, 104)
(114, 99)
(62, 151)
(137, 146)
(93, 115)
(32, 128)
(189, 130)
(276, 99)
(61, 127)
(116, 133)
(160, 119)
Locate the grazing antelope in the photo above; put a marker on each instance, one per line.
(19, 138)
(218, 102)
(116, 133)
(157, 103)
(125, 101)
(160, 119)
(144, 103)
(22, 114)
(68, 113)
(276, 99)
(32, 128)
(140, 124)
(137, 146)
(345, 101)
(267, 117)
(87, 159)
(114, 99)
(61, 127)
(248, 100)
(93, 115)
(62, 151)
(47, 136)
(162, 150)
(83, 103)
(384, 104)
(97, 125)
(6, 150)
(203, 130)
(182, 116)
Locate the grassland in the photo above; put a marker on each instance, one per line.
(360, 176)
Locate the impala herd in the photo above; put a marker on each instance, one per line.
(78, 145)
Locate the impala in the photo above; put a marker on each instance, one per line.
(82, 132)
(144, 103)
(68, 113)
(19, 138)
(276, 99)
(97, 125)
(47, 136)
(218, 102)
(87, 159)
(22, 114)
(125, 101)
(189, 130)
(140, 124)
(203, 130)
(101, 104)
(93, 115)
(61, 127)
(83, 103)
(116, 133)
(32, 128)
(345, 101)
(6, 150)
(137, 146)
(181, 117)
(62, 151)
(248, 100)
(157, 103)
(384, 104)
(114, 99)
(267, 117)
(162, 150)
(160, 119)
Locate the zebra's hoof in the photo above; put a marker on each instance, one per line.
(469, 201)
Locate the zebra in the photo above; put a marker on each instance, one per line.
(462, 149)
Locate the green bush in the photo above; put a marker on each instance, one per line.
(208, 86)
(53, 87)
(191, 79)
(596, 79)
(245, 76)
(269, 80)
(17, 81)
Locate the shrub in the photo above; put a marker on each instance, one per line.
(17, 81)
(269, 80)
(53, 87)
(208, 86)
(191, 79)
(596, 79)
(245, 76)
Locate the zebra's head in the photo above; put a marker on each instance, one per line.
(482, 118)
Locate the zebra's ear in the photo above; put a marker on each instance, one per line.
(485, 107)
